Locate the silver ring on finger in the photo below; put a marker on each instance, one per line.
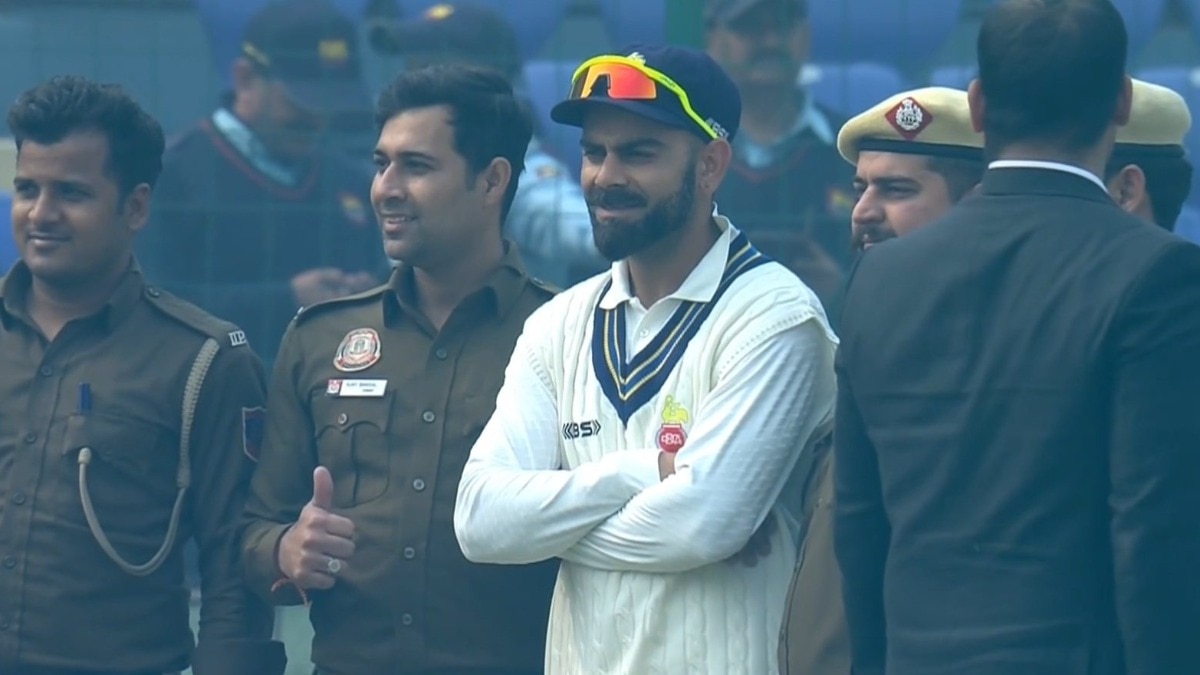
(333, 566)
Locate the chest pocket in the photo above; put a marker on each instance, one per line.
(134, 461)
(352, 442)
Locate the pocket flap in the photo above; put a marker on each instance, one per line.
(122, 441)
(343, 414)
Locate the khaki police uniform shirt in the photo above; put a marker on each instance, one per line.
(814, 639)
(63, 603)
(366, 387)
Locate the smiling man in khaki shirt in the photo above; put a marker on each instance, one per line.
(128, 418)
(386, 392)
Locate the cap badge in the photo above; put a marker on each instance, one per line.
(439, 12)
(333, 52)
(909, 118)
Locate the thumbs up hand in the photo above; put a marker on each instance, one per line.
(316, 547)
(322, 489)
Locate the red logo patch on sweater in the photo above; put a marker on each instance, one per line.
(672, 435)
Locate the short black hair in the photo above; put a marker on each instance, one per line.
(961, 174)
(1168, 183)
(488, 120)
(1051, 71)
(65, 105)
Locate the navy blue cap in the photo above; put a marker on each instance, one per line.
(711, 92)
(449, 31)
(312, 49)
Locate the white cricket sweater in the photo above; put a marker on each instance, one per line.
(739, 370)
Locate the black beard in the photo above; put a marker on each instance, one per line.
(617, 240)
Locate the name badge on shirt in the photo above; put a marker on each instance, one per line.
(356, 388)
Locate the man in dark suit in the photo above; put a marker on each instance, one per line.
(1017, 439)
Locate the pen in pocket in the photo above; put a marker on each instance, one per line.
(85, 398)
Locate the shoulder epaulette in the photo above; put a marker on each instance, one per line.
(326, 305)
(226, 333)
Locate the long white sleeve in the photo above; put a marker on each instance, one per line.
(515, 504)
(770, 406)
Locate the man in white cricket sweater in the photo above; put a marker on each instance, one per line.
(652, 418)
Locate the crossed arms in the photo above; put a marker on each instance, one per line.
(518, 504)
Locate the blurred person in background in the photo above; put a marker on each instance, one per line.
(787, 187)
(8, 160)
(915, 155)
(8, 250)
(1148, 174)
(129, 419)
(549, 219)
(255, 217)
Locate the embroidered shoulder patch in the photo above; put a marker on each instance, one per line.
(253, 426)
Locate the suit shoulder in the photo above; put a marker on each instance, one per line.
(1112, 236)
(192, 317)
(1163, 257)
(336, 305)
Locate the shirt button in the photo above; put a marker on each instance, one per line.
(10, 562)
(644, 333)
(409, 553)
(440, 354)
(152, 292)
(31, 437)
(19, 498)
(406, 619)
(342, 418)
(418, 485)
(46, 371)
(428, 416)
